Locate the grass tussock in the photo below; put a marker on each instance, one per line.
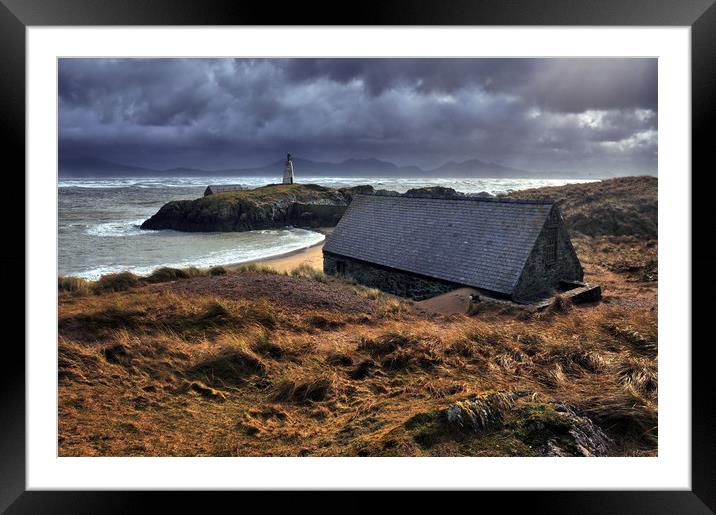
(282, 348)
(73, 285)
(203, 390)
(339, 359)
(390, 307)
(629, 419)
(120, 281)
(401, 350)
(168, 274)
(640, 377)
(324, 321)
(364, 291)
(560, 304)
(313, 389)
(482, 412)
(230, 366)
(632, 336)
(308, 272)
(220, 313)
(216, 312)
(257, 268)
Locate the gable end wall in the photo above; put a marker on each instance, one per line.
(538, 276)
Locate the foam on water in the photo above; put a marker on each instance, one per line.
(284, 241)
(118, 229)
(393, 183)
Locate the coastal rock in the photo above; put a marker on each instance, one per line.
(581, 438)
(365, 189)
(387, 193)
(440, 192)
(482, 194)
(554, 428)
(268, 207)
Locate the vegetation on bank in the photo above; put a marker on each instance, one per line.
(625, 206)
(122, 281)
(270, 194)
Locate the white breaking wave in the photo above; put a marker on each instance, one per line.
(286, 241)
(400, 184)
(118, 229)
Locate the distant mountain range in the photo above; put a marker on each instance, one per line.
(473, 168)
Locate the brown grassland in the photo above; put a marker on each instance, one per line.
(253, 362)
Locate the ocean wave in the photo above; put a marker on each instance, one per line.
(158, 182)
(468, 185)
(288, 241)
(118, 229)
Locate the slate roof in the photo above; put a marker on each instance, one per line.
(220, 188)
(483, 243)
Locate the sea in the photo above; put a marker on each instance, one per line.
(99, 220)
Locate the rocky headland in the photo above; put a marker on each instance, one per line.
(626, 206)
(267, 207)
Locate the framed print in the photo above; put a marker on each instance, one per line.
(416, 252)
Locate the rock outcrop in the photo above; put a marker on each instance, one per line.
(268, 207)
(553, 428)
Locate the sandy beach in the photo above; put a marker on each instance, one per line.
(312, 256)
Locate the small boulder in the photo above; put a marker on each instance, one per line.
(439, 192)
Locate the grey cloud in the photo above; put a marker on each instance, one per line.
(544, 114)
(571, 85)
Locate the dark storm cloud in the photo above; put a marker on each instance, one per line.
(544, 114)
(563, 84)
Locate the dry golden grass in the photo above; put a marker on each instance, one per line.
(154, 371)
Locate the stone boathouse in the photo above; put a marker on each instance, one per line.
(420, 247)
(213, 189)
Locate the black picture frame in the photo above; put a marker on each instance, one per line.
(17, 15)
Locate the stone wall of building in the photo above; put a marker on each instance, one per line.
(542, 272)
(385, 279)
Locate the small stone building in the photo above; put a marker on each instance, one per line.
(221, 188)
(421, 247)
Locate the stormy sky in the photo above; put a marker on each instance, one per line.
(592, 115)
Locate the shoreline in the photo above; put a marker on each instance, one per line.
(284, 262)
(287, 261)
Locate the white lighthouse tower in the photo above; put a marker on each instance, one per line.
(288, 170)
